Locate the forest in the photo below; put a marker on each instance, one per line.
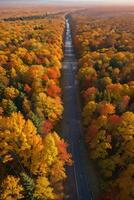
(32, 154)
(47, 144)
(105, 51)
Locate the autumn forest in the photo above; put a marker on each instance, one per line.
(93, 50)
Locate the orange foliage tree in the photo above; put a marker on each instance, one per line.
(105, 48)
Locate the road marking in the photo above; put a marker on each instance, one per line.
(69, 65)
(69, 87)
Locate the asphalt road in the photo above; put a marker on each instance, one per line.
(82, 183)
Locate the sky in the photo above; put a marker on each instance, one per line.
(121, 2)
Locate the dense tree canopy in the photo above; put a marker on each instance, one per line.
(105, 49)
(32, 155)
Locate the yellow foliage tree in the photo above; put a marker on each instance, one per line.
(50, 149)
(49, 107)
(11, 189)
(19, 138)
(43, 190)
(88, 110)
(11, 93)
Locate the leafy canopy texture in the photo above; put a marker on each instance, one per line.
(37, 164)
(33, 158)
(105, 48)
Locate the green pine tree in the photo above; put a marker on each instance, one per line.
(28, 185)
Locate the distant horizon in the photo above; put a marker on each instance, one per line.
(69, 2)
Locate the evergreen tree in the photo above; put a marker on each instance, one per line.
(28, 185)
